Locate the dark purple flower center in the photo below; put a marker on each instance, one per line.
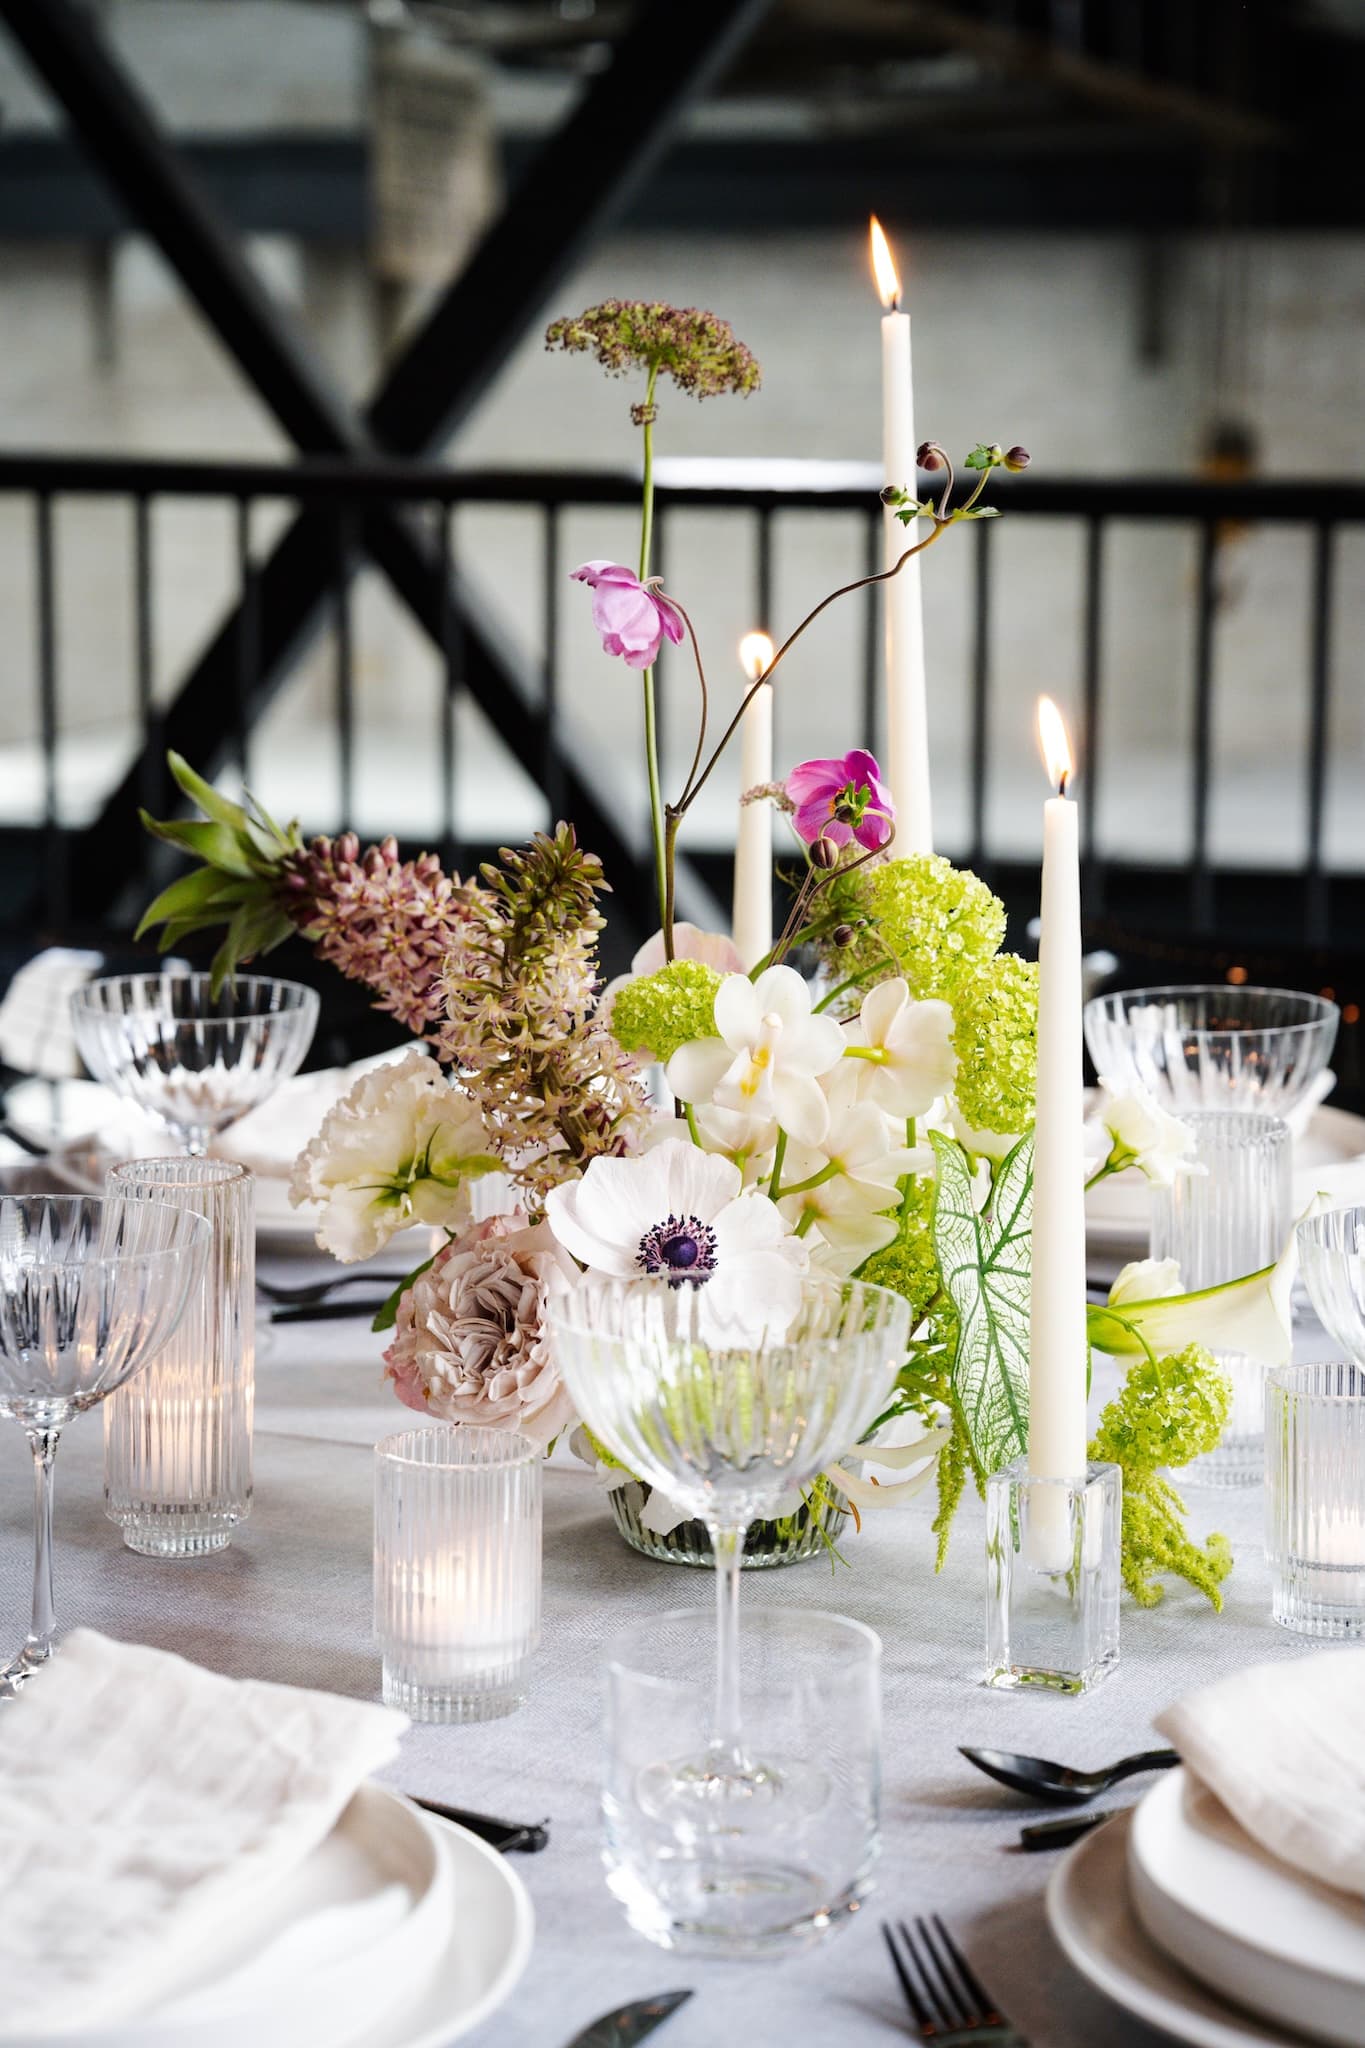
(681, 1248)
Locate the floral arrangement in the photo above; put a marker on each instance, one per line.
(866, 1112)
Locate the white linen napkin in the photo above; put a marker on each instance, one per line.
(1281, 1746)
(36, 1032)
(141, 1800)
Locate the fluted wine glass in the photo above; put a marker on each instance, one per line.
(1332, 1254)
(196, 1059)
(89, 1291)
(726, 1433)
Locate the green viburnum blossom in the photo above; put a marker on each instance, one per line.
(656, 1013)
(1167, 1411)
(937, 923)
(995, 1019)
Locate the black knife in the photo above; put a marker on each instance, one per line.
(629, 2023)
(507, 1835)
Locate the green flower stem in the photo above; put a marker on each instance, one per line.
(656, 801)
(817, 1180)
(775, 1177)
(875, 1053)
(691, 1116)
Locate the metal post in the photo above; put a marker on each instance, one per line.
(1201, 876)
(1319, 728)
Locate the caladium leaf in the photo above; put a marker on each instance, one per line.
(984, 1261)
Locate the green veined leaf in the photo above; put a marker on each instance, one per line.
(985, 1264)
(984, 456)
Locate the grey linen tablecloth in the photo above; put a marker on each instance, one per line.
(290, 1600)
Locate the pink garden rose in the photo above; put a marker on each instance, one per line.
(842, 800)
(470, 1343)
(630, 615)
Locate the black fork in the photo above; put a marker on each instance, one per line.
(947, 2000)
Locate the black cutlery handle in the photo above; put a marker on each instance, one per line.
(1060, 1834)
(326, 1311)
(1150, 1760)
(525, 1837)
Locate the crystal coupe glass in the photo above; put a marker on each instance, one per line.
(725, 1433)
(197, 1060)
(1213, 1047)
(89, 1291)
(1332, 1253)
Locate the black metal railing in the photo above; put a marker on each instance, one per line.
(354, 491)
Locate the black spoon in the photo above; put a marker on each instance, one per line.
(1036, 1778)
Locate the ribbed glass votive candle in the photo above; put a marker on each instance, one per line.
(456, 1570)
(177, 1438)
(1315, 1497)
(1228, 1218)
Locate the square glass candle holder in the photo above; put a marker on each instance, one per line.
(1052, 1578)
(1315, 1498)
(456, 1570)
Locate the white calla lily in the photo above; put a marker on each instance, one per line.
(1252, 1315)
(867, 1493)
(1143, 1134)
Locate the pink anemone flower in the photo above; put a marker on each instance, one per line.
(842, 800)
(632, 617)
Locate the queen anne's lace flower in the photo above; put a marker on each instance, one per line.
(400, 1148)
(698, 350)
(679, 1217)
(470, 1343)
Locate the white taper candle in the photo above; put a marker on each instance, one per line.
(753, 902)
(1057, 1334)
(907, 718)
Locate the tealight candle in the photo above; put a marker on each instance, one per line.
(456, 1570)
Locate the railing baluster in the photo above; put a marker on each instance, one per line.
(551, 764)
(981, 693)
(153, 775)
(248, 640)
(54, 861)
(345, 670)
(1320, 686)
(872, 668)
(452, 656)
(1090, 694)
(1202, 894)
(763, 600)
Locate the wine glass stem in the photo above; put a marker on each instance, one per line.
(728, 1547)
(43, 1443)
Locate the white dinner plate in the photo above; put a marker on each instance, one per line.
(1330, 1154)
(400, 1931)
(1241, 1920)
(1088, 1910)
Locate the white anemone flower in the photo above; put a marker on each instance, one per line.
(680, 1217)
(903, 1049)
(400, 1148)
(1143, 1134)
(768, 1057)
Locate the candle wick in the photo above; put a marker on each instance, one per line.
(1065, 778)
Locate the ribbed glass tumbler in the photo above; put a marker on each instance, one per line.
(456, 1570)
(1229, 1217)
(177, 1439)
(1315, 1498)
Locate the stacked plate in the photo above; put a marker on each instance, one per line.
(1183, 1920)
(400, 1931)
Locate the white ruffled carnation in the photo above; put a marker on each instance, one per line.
(400, 1149)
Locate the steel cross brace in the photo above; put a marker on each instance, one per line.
(584, 175)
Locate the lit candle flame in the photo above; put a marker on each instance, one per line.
(755, 655)
(1056, 746)
(884, 268)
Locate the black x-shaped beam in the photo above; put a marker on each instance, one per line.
(580, 181)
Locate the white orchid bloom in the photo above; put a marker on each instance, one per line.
(401, 1148)
(1143, 1134)
(1252, 1315)
(992, 1145)
(768, 1057)
(749, 1141)
(681, 1217)
(902, 1050)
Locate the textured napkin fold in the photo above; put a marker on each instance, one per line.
(142, 1799)
(1281, 1746)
